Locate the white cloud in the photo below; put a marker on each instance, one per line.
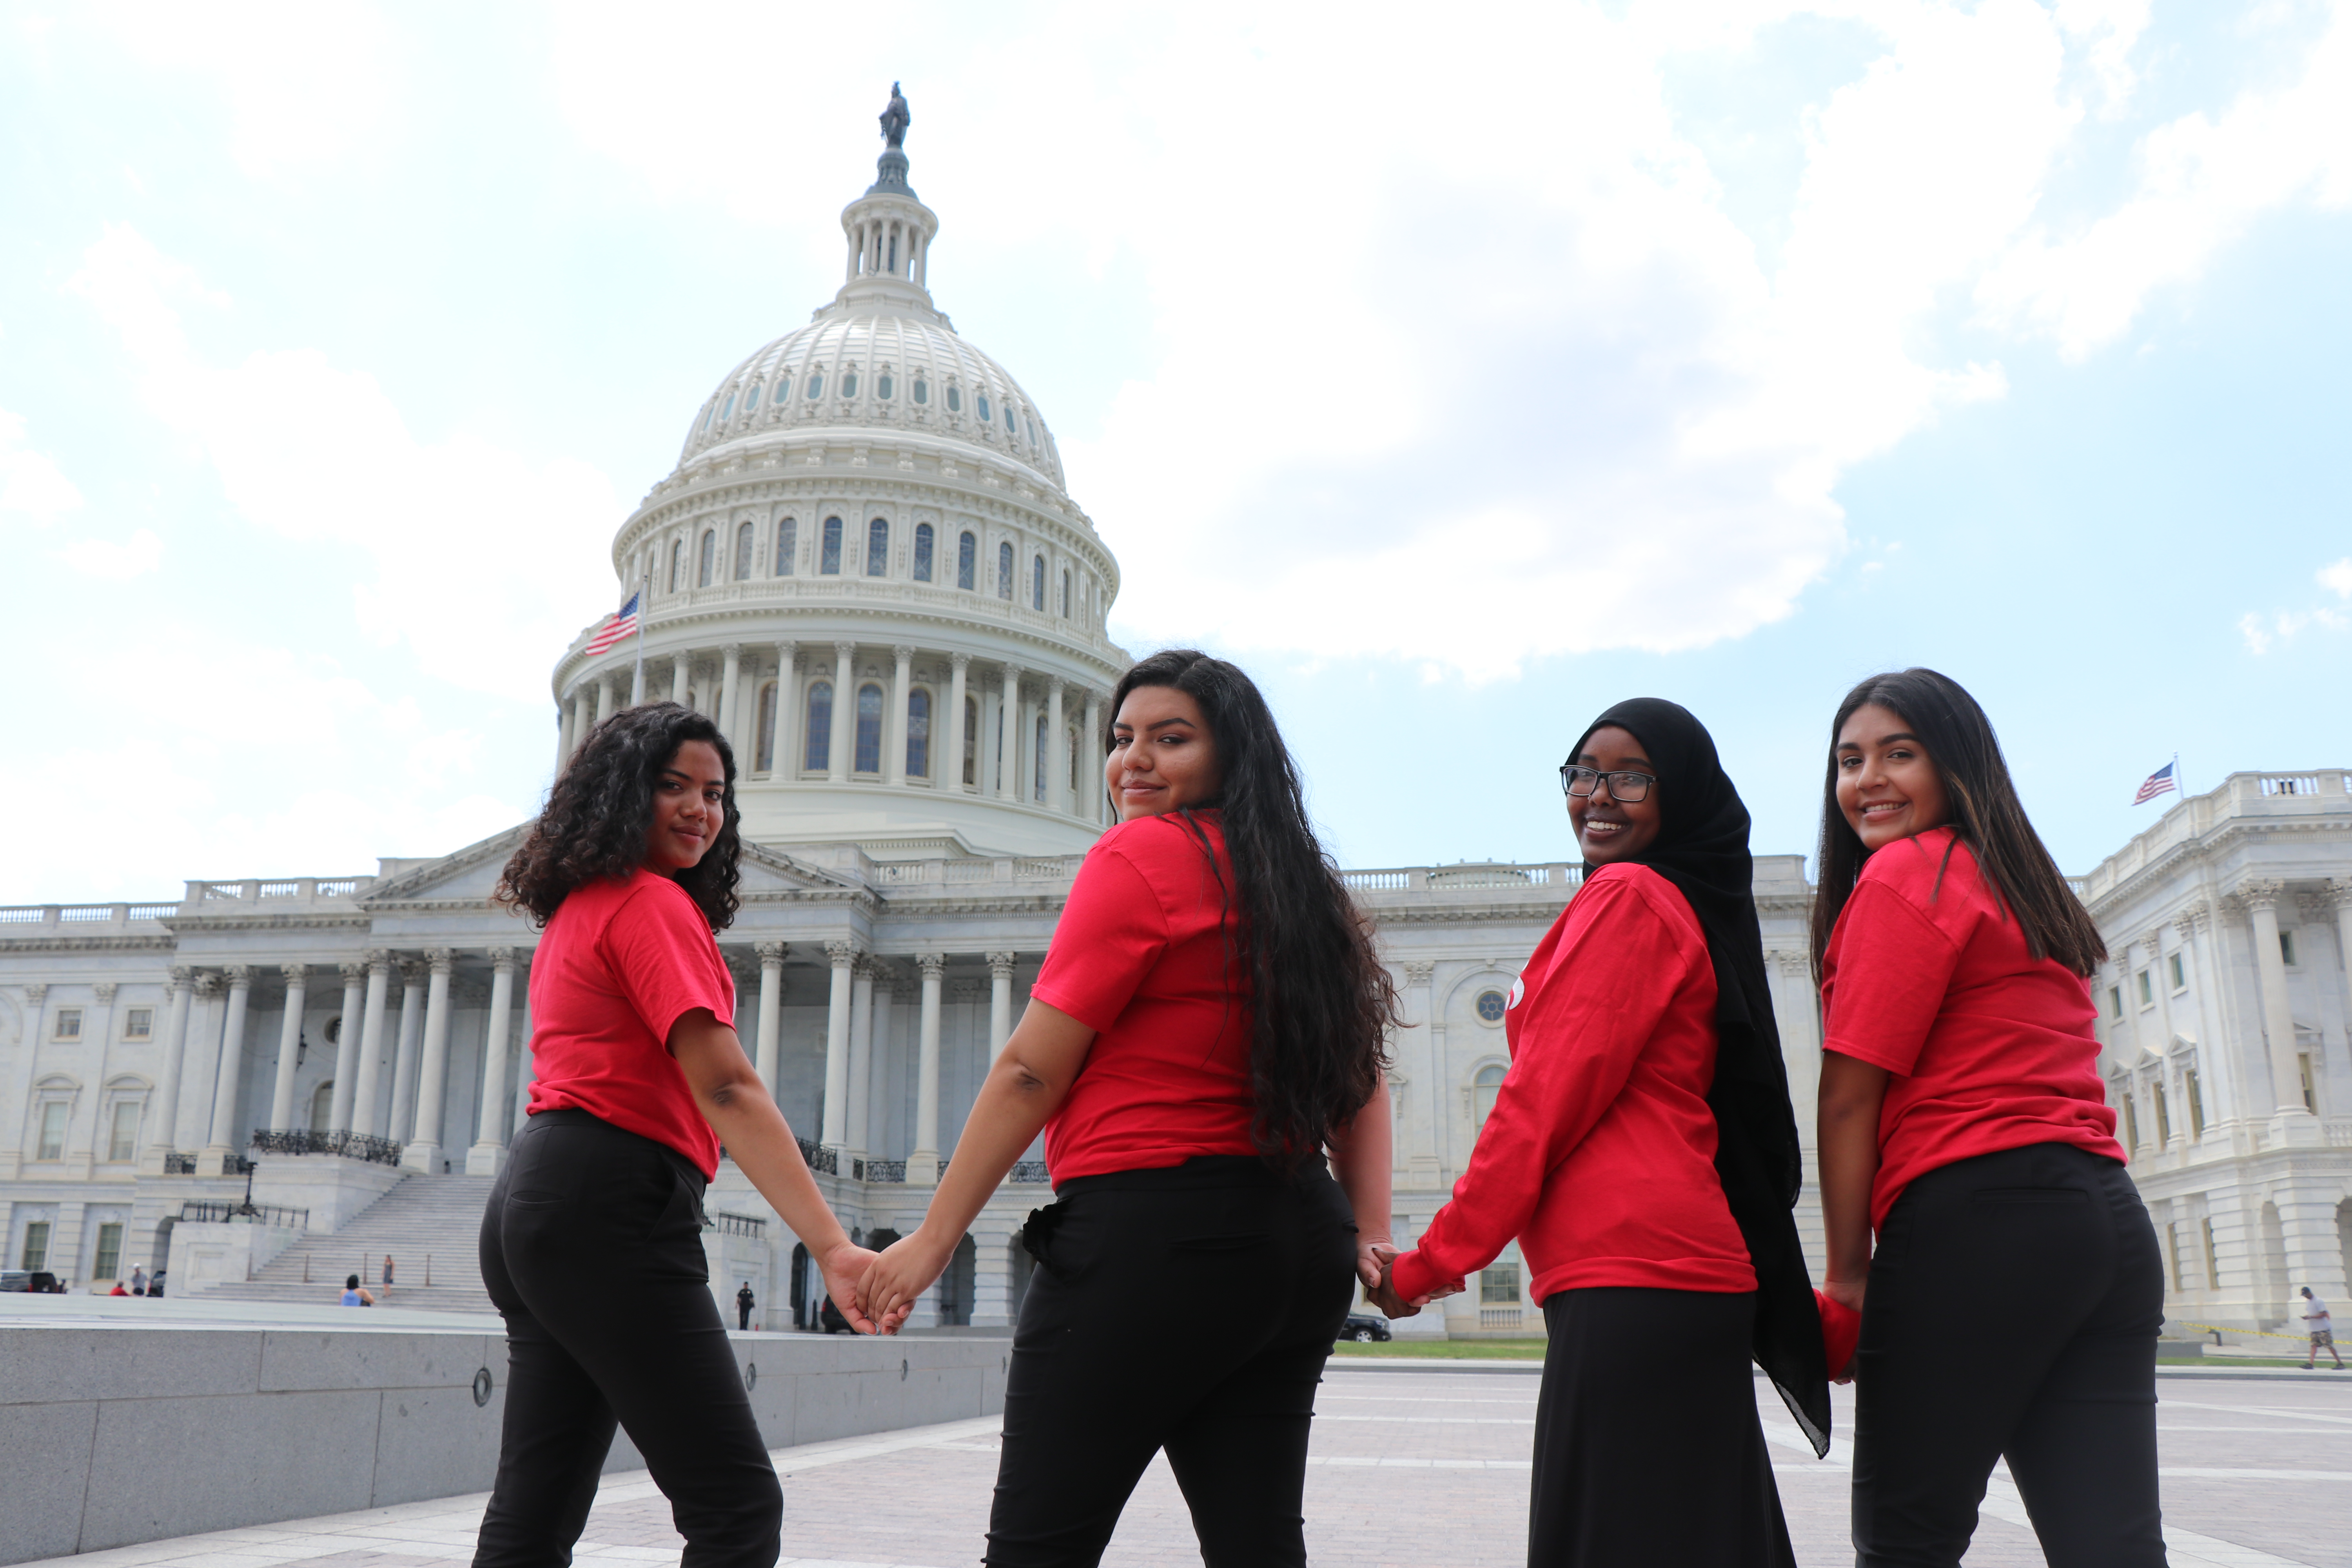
(2337, 579)
(135, 557)
(480, 559)
(2262, 630)
(31, 486)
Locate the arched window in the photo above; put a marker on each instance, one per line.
(1040, 756)
(710, 561)
(966, 561)
(882, 386)
(763, 755)
(1076, 759)
(1065, 594)
(744, 554)
(1037, 584)
(751, 398)
(816, 387)
(788, 544)
(918, 733)
(983, 408)
(784, 389)
(878, 547)
(727, 412)
(869, 729)
(923, 552)
(816, 752)
(1483, 1089)
(848, 383)
(708, 416)
(955, 398)
(922, 390)
(1004, 571)
(970, 736)
(829, 561)
(677, 564)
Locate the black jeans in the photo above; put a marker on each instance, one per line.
(2012, 1311)
(1191, 1309)
(592, 1248)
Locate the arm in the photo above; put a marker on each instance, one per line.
(1360, 1159)
(1023, 1089)
(1852, 1092)
(728, 1093)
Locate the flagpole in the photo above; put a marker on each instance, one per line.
(645, 607)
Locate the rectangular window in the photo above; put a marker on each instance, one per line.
(1499, 1286)
(2180, 974)
(36, 1246)
(68, 1024)
(2196, 1092)
(2172, 1255)
(2131, 1120)
(122, 1137)
(2212, 1264)
(2287, 947)
(53, 1132)
(2163, 1118)
(2302, 1064)
(2146, 990)
(139, 1024)
(109, 1262)
(2115, 1000)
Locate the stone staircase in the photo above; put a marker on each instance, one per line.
(435, 1217)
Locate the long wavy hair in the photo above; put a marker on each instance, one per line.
(1320, 1000)
(602, 808)
(1985, 815)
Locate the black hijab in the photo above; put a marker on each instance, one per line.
(1702, 849)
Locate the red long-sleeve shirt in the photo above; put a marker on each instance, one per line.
(1599, 1152)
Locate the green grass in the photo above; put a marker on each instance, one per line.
(1447, 1349)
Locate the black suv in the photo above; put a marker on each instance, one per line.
(1364, 1328)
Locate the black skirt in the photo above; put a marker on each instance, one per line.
(1648, 1446)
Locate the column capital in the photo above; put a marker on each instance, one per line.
(1013, 674)
(2314, 903)
(412, 971)
(1055, 685)
(36, 990)
(179, 975)
(1794, 961)
(788, 653)
(103, 990)
(379, 958)
(441, 961)
(2154, 942)
(502, 960)
(2339, 889)
(2193, 918)
(903, 652)
(841, 955)
(295, 974)
(352, 970)
(207, 985)
(771, 954)
(1000, 965)
(960, 661)
(733, 650)
(933, 964)
(2259, 892)
(845, 650)
(1419, 972)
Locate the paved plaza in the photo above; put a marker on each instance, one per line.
(1418, 1468)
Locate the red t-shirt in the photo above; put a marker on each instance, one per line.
(1991, 1048)
(620, 963)
(1599, 1152)
(1140, 957)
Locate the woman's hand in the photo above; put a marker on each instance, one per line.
(1373, 1260)
(899, 1276)
(844, 1267)
(1844, 1292)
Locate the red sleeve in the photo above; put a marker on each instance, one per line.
(666, 959)
(1615, 970)
(1112, 930)
(1889, 968)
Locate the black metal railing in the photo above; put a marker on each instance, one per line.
(215, 1212)
(882, 1170)
(1028, 1171)
(237, 1166)
(735, 1225)
(351, 1145)
(826, 1161)
(177, 1164)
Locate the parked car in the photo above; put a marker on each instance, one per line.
(45, 1283)
(16, 1279)
(1364, 1328)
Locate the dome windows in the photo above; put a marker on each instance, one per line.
(784, 389)
(848, 383)
(922, 391)
(983, 408)
(878, 547)
(868, 758)
(966, 561)
(1037, 584)
(1004, 571)
(676, 565)
(1066, 593)
(816, 752)
(882, 386)
(709, 561)
(814, 388)
(955, 398)
(923, 541)
(787, 544)
(751, 397)
(744, 554)
(728, 412)
(919, 734)
(828, 562)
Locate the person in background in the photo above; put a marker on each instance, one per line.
(1644, 1151)
(2323, 1331)
(139, 1280)
(117, 1290)
(387, 1276)
(743, 1304)
(1964, 1121)
(353, 1296)
(1209, 1021)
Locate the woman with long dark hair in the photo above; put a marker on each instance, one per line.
(1643, 1152)
(591, 1245)
(2010, 1308)
(1208, 1023)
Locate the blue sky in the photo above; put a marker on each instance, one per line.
(1457, 382)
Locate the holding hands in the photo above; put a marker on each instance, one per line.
(1383, 1289)
(897, 1279)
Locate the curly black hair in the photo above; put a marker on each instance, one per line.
(1320, 1000)
(601, 808)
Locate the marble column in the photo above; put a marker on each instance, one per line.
(949, 773)
(347, 1044)
(36, 1017)
(230, 1078)
(844, 713)
(1008, 731)
(164, 1116)
(893, 729)
(2171, 1128)
(489, 1150)
(788, 711)
(526, 1070)
(861, 1057)
(604, 698)
(584, 717)
(2261, 898)
(424, 1150)
(368, 1079)
(1057, 757)
(999, 1001)
(403, 1062)
(833, 1120)
(1090, 770)
(731, 674)
(923, 1163)
(564, 739)
(1421, 1159)
(194, 1123)
(290, 1046)
(768, 1061)
(681, 674)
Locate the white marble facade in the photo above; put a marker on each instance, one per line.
(866, 568)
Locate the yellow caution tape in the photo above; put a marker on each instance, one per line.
(2259, 1333)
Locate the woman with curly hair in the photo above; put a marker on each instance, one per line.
(591, 1245)
(1208, 1024)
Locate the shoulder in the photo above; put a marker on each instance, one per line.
(1159, 846)
(650, 897)
(1626, 890)
(1924, 869)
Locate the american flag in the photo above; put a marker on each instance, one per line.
(623, 622)
(2158, 783)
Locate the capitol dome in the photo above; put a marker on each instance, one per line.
(867, 567)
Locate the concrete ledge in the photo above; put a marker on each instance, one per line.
(119, 1432)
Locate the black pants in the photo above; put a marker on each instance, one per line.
(1648, 1447)
(2012, 1311)
(592, 1248)
(1189, 1310)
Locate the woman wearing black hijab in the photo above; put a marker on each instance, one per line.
(1643, 1153)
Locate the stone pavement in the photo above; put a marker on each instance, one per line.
(1421, 1468)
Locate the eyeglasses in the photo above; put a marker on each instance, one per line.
(1627, 787)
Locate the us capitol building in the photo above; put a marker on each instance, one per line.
(867, 567)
